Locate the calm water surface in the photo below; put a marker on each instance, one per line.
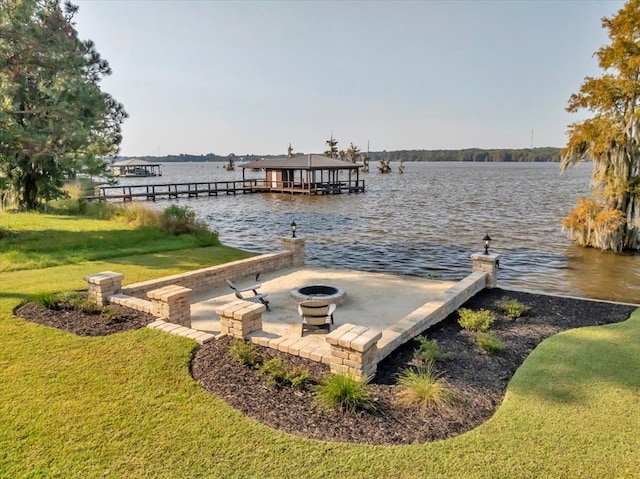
(427, 222)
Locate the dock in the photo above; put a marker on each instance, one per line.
(153, 192)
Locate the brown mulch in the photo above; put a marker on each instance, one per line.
(84, 324)
(478, 379)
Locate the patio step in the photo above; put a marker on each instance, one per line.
(199, 337)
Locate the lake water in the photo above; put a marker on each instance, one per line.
(427, 222)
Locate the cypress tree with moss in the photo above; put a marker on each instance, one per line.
(611, 139)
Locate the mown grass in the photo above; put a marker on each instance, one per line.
(126, 406)
(41, 241)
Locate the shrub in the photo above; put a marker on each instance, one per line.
(111, 315)
(279, 375)
(512, 307)
(429, 351)
(48, 300)
(68, 300)
(245, 353)
(137, 215)
(178, 220)
(424, 387)
(6, 233)
(346, 393)
(489, 343)
(89, 306)
(475, 320)
(300, 378)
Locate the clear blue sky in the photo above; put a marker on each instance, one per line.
(249, 77)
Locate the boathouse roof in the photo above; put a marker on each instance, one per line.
(302, 162)
(135, 162)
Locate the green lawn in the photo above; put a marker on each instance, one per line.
(35, 241)
(125, 406)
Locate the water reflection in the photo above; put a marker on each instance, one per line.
(428, 222)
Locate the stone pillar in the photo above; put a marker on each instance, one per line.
(102, 285)
(487, 263)
(354, 350)
(240, 318)
(296, 246)
(172, 302)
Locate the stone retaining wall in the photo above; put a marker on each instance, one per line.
(354, 350)
(357, 350)
(211, 277)
(429, 314)
(487, 263)
(240, 318)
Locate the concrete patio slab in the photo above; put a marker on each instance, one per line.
(373, 300)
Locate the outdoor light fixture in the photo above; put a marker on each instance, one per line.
(293, 228)
(487, 241)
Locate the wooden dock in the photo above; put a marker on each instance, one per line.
(153, 192)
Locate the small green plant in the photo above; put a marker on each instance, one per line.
(475, 320)
(424, 387)
(85, 304)
(275, 371)
(300, 378)
(48, 300)
(489, 343)
(178, 220)
(111, 315)
(279, 375)
(6, 233)
(512, 307)
(429, 351)
(346, 393)
(245, 353)
(70, 299)
(83, 203)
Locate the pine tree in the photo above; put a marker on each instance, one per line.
(332, 149)
(54, 119)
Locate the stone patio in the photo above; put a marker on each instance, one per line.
(373, 300)
(379, 313)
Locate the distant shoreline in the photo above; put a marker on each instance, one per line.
(477, 155)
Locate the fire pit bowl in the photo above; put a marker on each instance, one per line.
(331, 294)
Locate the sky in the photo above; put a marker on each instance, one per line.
(250, 77)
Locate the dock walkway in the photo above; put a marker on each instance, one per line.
(153, 192)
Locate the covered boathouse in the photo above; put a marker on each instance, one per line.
(307, 174)
(135, 167)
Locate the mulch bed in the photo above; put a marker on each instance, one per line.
(478, 379)
(84, 324)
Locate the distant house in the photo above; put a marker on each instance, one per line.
(135, 167)
(307, 174)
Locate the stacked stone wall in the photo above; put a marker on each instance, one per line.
(240, 318)
(172, 302)
(205, 279)
(103, 285)
(353, 350)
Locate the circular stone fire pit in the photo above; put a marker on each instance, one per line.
(331, 294)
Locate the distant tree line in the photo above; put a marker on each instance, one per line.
(471, 154)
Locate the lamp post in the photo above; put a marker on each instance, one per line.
(293, 229)
(487, 242)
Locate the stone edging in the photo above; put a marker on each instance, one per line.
(199, 337)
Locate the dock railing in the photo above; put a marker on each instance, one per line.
(152, 192)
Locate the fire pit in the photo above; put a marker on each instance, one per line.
(331, 294)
